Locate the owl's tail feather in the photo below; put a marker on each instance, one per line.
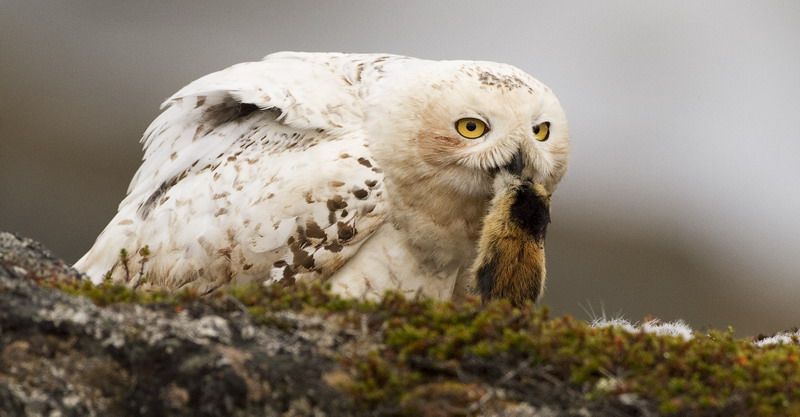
(118, 254)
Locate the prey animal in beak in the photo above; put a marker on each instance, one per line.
(510, 262)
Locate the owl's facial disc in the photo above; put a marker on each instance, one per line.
(495, 157)
(541, 132)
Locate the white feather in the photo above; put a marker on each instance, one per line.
(284, 168)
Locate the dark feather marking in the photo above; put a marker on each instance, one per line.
(334, 246)
(244, 110)
(336, 203)
(227, 112)
(219, 114)
(300, 258)
(365, 162)
(288, 275)
(345, 231)
(314, 231)
(147, 206)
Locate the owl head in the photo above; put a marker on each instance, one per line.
(453, 124)
(478, 147)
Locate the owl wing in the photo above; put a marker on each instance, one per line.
(257, 172)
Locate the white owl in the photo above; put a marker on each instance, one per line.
(371, 172)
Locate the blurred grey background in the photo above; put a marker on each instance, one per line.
(682, 196)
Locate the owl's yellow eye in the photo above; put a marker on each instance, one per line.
(542, 131)
(471, 128)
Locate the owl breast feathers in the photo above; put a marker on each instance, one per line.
(371, 172)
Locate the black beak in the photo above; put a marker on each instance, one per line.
(514, 167)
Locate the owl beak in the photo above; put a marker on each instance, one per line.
(510, 262)
(514, 167)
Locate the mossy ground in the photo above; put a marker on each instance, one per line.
(464, 355)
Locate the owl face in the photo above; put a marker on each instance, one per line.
(465, 121)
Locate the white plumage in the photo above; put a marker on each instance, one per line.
(348, 168)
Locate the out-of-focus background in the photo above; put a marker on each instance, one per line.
(682, 199)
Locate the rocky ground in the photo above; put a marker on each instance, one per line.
(68, 348)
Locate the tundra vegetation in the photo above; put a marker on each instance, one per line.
(83, 349)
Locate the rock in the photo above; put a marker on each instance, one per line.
(63, 355)
(68, 348)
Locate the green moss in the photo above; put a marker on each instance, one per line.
(102, 294)
(424, 347)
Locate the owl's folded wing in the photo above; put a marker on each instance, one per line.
(257, 172)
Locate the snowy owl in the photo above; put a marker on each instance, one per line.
(370, 172)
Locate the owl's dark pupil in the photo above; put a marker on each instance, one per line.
(536, 130)
(471, 126)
